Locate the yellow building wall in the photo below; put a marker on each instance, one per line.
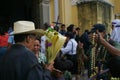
(68, 14)
(75, 15)
(51, 11)
(116, 4)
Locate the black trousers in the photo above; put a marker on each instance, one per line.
(73, 58)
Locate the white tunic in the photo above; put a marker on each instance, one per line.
(115, 35)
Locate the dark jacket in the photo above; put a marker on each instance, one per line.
(19, 63)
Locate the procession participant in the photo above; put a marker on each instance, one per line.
(41, 57)
(115, 35)
(62, 29)
(3, 41)
(114, 62)
(114, 23)
(77, 34)
(99, 55)
(70, 50)
(113, 48)
(20, 63)
(43, 39)
(10, 39)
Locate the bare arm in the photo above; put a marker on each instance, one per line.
(108, 46)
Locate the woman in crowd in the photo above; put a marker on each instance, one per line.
(41, 57)
(3, 41)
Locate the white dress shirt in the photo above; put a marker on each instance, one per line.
(43, 44)
(70, 47)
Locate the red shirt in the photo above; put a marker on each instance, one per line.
(4, 40)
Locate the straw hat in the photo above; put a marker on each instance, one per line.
(26, 27)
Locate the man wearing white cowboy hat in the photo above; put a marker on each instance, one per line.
(20, 63)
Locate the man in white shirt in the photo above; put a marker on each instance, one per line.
(70, 50)
(43, 42)
(43, 39)
(70, 47)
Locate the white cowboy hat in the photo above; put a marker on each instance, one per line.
(21, 27)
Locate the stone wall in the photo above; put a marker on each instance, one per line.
(116, 4)
(90, 13)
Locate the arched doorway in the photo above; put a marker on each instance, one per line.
(13, 10)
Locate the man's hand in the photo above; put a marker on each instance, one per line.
(50, 66)
(99, 37)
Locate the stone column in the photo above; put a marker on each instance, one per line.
(56, 10)
(44, 12)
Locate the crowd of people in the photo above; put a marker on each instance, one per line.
(23, 52)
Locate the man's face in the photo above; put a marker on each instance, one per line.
(63, 28)
(31, 40)
(112, 27)
(77, 32)
(91, 35)
(36, 46)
